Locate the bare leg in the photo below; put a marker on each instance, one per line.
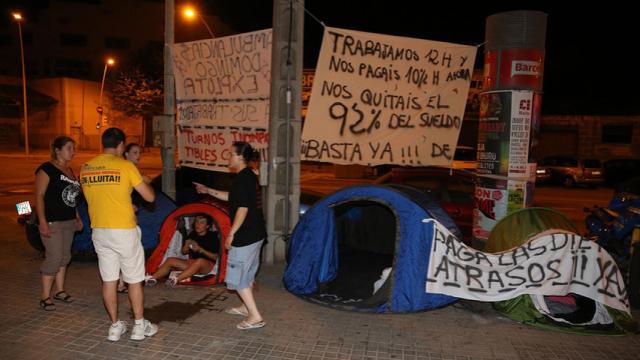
(60, 278)
(166, 267)
(136, 298)
(200, 266)
(110, 297)
(47, 283)
(250, 303)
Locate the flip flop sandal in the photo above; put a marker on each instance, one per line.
(67, 298)
(235, 311)
(243, 325)
(47, 306)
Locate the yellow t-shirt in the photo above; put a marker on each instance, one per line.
(107, 182)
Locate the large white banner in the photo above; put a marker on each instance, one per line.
(222, 87)
(381, 99)
(553, 263)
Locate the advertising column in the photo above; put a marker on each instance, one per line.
(509, 118)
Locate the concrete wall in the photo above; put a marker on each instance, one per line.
(75, 114)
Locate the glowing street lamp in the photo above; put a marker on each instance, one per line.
(190, 13)
(18, 18)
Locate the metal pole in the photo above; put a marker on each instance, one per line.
(207, 26)
(168, 141)
(24, 93)
(104, 76)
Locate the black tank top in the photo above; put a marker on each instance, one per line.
(61, 194)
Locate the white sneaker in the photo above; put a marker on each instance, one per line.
(150, 281)
(116, 330)
(146, 329)
(171, 282)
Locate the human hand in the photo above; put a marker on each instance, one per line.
(79, 224)
(201, 189)
(45, 230)
(195, 247)
(228, 241)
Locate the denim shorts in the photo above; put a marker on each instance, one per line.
(242, 265)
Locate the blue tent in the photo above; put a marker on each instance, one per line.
(343, 245)
(150, 219)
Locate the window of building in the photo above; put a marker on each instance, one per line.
(73, 40)
(617, 134)
(155, 44)
(117, 43)
(97, 2)
(72, 67)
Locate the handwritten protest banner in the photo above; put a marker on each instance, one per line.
(221, 82)
(208, 147)
(380, 99)
(554, 263)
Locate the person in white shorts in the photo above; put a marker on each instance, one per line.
(107, 182)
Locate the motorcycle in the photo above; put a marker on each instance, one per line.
(617, 229)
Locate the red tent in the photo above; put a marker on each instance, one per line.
(221, 219)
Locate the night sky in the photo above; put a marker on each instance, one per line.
(590, 65)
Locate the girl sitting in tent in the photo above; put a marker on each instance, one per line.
(201, 246)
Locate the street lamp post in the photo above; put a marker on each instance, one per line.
(18, 18)
(191, 13)
(109, 62)
(100, 109)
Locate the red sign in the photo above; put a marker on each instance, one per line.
(519, 69)
(99, 109)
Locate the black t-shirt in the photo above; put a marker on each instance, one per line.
(209, 241)
(246, 192)
(61, 194)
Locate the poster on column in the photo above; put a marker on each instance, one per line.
(222, 87)
(504, 133)
(550, 263)
(495, 199)
(381, 99)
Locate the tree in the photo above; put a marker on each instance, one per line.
(138, 88)
(134, 93)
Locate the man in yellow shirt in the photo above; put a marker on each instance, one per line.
(107, 183)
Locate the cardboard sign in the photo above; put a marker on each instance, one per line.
(221, 83)
(381, 99)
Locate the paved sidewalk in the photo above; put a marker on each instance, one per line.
(193, 325)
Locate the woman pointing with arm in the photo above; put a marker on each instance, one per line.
(247, 233)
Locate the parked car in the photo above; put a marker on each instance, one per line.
(617, 171)
(543, 172)
(453, 188)
(307, 199)
(570, 171)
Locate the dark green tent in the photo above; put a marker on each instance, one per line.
(515, 230)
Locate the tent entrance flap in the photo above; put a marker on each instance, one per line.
(366, 233)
